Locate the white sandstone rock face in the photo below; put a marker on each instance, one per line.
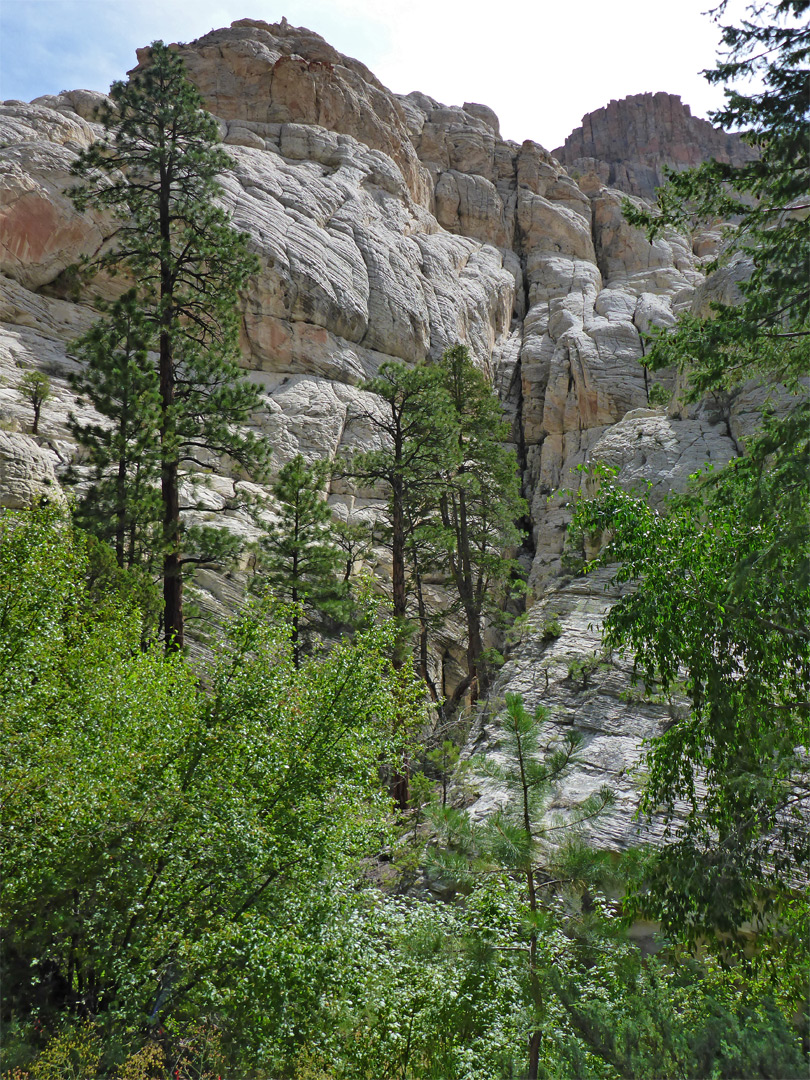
(389, 227)
(280, 74)
(585, 690)
(27, 475)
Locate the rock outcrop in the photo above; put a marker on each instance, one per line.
(628, 143)
(391, 227)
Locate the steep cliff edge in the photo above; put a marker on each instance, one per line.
(391, 227)
(628, 143)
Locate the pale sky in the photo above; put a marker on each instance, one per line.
(540, 64)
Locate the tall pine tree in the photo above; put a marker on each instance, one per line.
(156, 171)
(480, 505)
(122, 502)
(414, 422)
(300, 560)
(453, 491)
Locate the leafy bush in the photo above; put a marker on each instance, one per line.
(154, 830)
(658, 394)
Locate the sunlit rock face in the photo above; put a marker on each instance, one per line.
(389, 227)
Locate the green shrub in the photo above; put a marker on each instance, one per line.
(658, 394)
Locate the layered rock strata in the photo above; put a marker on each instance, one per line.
(391, 227)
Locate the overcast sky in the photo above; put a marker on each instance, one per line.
(540, 64)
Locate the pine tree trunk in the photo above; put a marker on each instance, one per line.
(475, 651)
(120, 509)
(172, 577)
(466, 588)
(424, 671)
(169, 480)
(398, 549)
(400, 784)
(170, 495)
(295, 639)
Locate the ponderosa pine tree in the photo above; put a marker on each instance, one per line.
(122, 503)
(300, 561)
(453, 488)
(415, 423)
(521, 841)
(156, 171)
(480, 505)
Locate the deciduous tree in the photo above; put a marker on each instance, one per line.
(157, 833)
(722, 577)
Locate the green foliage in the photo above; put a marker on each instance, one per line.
(520, 838)
(414, 422)
(35, 388)
(454, 496)
(585, 1001)
(481, 503)
(719, 612)
(658, 394)
(74, 1054)
(300, 560)
(580, 669)
(445, 760)
(354, 538)
(153, 832)
(122, 503)
(720, 617)
(181, 893)
(107, 583)
(41, 567)
(156, 172)
(521, 843)
(659, 1017)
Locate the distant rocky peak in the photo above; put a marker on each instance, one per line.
(628, 143)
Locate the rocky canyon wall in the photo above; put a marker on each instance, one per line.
(629, 143)
(391, 227)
